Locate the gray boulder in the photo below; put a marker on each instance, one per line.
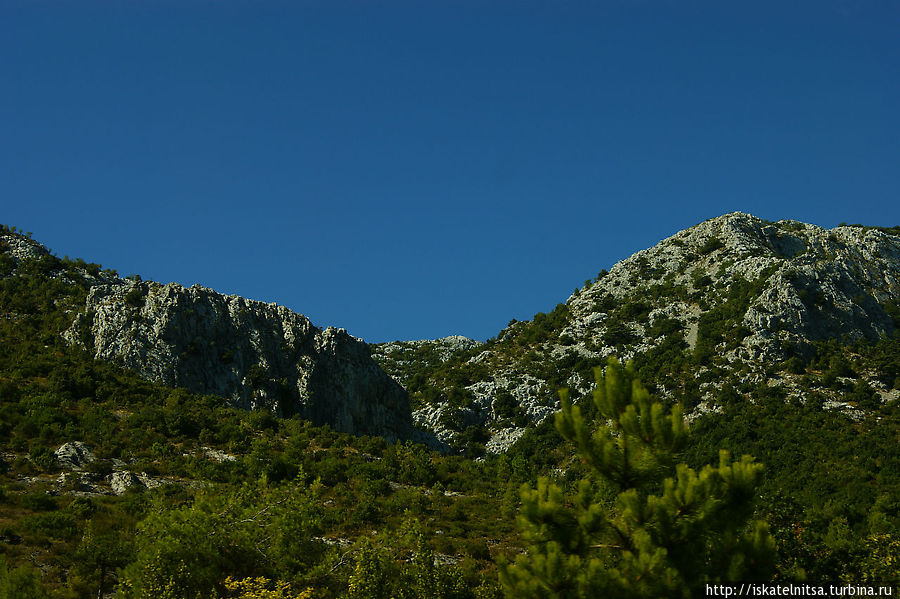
(74, 455)
(122, 480)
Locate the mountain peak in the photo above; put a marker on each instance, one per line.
(812, 282)
(733, 294)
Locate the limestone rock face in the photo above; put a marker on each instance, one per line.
(122, 480)
(21, 248)
(815, 283)
(260, 356)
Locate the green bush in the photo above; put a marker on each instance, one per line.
(135, 297)
(44, 458)
(38, 501)
(191, 549)
(57, 525)
(22, 582)
(710, 245)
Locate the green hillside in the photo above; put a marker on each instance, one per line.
(186, 496)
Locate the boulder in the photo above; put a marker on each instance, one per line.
(74, 455)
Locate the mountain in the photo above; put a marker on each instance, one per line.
(779, 340)
(734, 298)
(258, 355)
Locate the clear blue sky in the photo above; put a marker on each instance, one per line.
(417, 169)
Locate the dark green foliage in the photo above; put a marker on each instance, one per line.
(892, 309)
(135, 297)
(54, 525)
(403, 567)
(257, 374)
(43, 458)
(710, 245)
(633, 311)
(537, 451)
(663, 327)
(665, 291)
(505, 405)
(22, 582)
(864, 396)
(7, 263)
(825, 468)
(604, 303)
(82, 507)
(702, 280)
(794, 365)
(618, 334)
(411, 463)
(885, 360)
(38, 501)
(544, 327)
(252, 530)
(672, 530)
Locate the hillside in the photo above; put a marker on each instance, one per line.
(130, 466)
(112, 484)
(733, 298)
(258, 355)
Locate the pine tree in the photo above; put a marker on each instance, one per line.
(671, 529)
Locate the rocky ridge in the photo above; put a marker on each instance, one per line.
(257, 355)
(816, 283)
(735, 292)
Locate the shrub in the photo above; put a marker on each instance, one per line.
(135, 297)
(710, 245)
(23, 582)
(38, 501)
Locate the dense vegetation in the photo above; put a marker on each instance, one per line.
(295, 510)
(673, 530)
(297, 503)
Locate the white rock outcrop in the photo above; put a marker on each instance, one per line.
(74, 455)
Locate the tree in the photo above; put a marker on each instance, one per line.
(369, 579)
(257, 530)
(23, 582)
(404, 568)
(99, 554)
(669, 531)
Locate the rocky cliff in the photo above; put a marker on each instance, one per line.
(733, 298)
(261, 356)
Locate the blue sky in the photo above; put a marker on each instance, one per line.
(417, 169)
